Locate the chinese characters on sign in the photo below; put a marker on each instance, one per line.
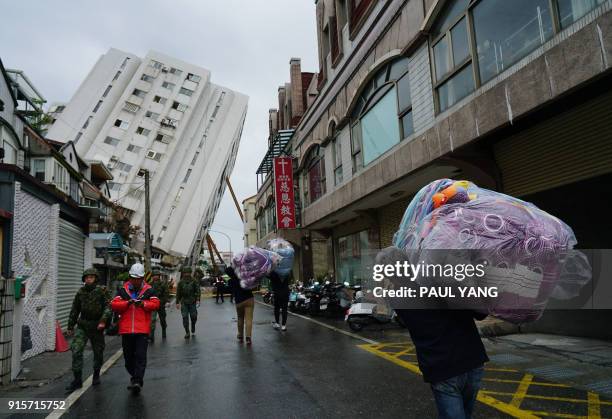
(283, 188)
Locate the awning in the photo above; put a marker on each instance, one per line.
(276, 149)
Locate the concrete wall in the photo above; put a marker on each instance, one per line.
(35, 255)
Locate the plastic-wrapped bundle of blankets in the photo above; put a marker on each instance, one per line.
(529, 253)
(286, 252)
(255, 263)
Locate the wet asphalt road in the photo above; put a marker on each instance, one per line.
(309, 371)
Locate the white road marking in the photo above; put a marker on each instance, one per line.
(74, 396)
(335, 329)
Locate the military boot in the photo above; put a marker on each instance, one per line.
(76, 384)
(164, 333)
(96, 377)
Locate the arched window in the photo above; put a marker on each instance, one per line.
(314, 175)
(382, 115)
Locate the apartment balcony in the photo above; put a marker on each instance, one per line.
(135, 100)
(131, 107)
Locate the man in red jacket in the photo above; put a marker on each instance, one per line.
(135, 302)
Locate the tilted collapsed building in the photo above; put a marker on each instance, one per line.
(163, 115)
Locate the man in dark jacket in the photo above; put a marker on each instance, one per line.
(280, 288)
(162, 291)
(451, 356)
(245, 304)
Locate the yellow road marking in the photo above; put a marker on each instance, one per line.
(559, 399)
(533, 383)
(594, 405)
(521, 391)
(504, 407)
(557, 415)
(483, 398)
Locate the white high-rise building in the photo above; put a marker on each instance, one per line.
(164, 115)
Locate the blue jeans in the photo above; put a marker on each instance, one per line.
(455, 396)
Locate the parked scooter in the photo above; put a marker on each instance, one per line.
(362, 313)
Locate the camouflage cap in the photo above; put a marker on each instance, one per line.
(155, 272)
(90, 271)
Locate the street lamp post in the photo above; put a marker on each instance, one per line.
(228, 238)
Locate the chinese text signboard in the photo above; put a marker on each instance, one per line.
(283, 189)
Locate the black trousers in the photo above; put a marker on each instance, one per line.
(135, 355)
(219, 294)
(281, 303)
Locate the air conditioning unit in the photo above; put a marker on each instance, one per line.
(165, 69)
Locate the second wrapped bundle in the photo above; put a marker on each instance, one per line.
(285, 250)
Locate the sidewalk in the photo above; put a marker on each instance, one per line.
(49, 367)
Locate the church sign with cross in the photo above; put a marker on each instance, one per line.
(283, 190)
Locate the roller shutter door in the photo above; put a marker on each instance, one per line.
(572, 146)
(71, 253)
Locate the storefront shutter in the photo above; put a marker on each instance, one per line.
(572, 146)
(70, 268)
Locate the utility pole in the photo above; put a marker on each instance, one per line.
(147, 263)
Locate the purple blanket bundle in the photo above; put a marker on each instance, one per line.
(524, 247)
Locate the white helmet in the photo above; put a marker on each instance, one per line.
(137, 271)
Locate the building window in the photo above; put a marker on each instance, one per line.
(122, 124)
(193, 77)
(147, 78)
(187, 176)
(112, 141)
(124, 63)
(95, 109)
(179, 193)
(159, 99)
(572, 10)
(214, 114)
(168, 85)
(186, 91)
(314, 178)
(152, 115)
(474, 41)
(107, 90)
(78, 136)
(124, 167)
(113, 186)
(175, 71)
(141, 173)
(195, 158)
(336, 156)
(163, 138)
(355, 256)
(86, 124)
(143, 131)
(382, 115)
(179, 106)
(154, 155)
(139, 93)
(506, 31)
(161, 234)
(134, 148)
(156, 64)
(39, 169)
(117, 74)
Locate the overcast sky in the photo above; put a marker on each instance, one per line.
(246, 44)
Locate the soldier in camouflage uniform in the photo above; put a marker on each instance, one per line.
(90, 313)
(187, 296)
(161, 287)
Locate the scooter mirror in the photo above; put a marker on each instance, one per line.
(346, 284)
(326, 282)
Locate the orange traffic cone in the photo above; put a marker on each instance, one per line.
(60, 341)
